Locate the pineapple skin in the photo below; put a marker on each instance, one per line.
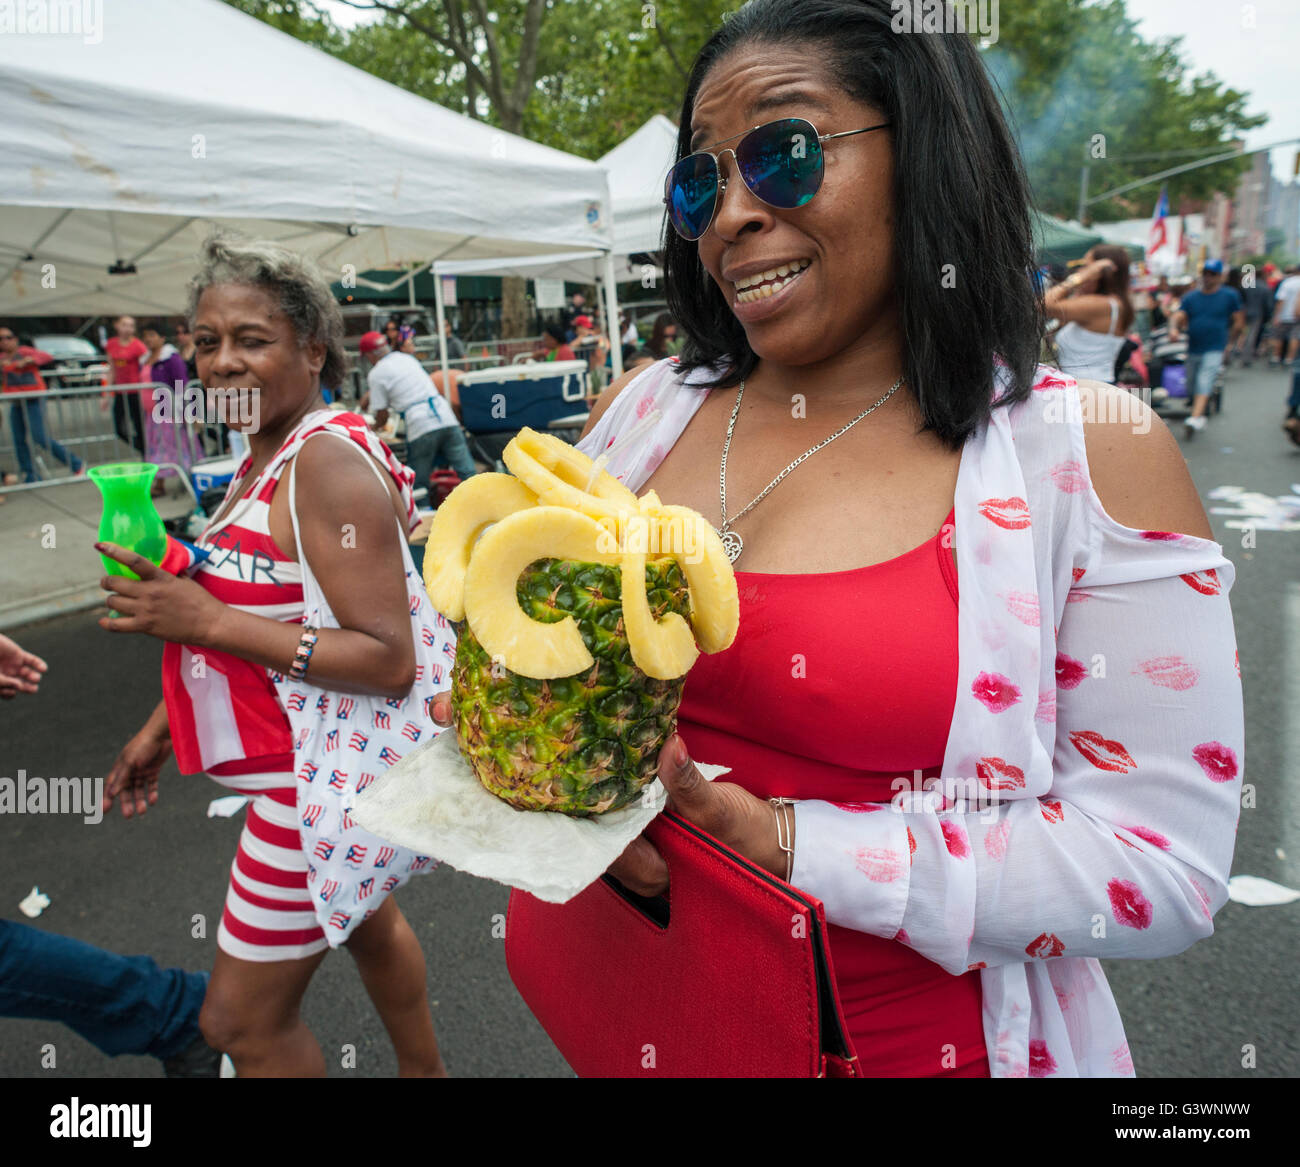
(579, 745)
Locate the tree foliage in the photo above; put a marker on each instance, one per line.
(581, 75)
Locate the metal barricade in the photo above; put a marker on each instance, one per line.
(52, 435)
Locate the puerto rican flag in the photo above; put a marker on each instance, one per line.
(385, 856)
(388, 756)
(364, 781)
(324, 848)
(346, 706)
(182, 558)
(1158, 236)
(411, 731)
(340, 919)
(358, 741)
(381, 719)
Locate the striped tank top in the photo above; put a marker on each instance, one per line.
(225, 715)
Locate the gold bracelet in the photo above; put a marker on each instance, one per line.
(781, 807)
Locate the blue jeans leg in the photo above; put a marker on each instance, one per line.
(420, 453)
(36, 420)
(1293, 402)
(120, 1004)
(451, 444)
(18, 423)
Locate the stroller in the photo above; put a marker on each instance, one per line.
(1168, 376)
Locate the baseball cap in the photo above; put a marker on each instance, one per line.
(582, 322)
(1213, 265)
(371, 341)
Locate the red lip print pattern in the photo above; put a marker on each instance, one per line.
(995, 840)
(1122, 1061)
(911, 846)
(955, 839)
(1153, 837)
(1102, 752)
(1131, 907)
(1046, 710)
(1069, 672)
(1169, 672)
(1048, 383)
(1069, 477)
(1217, 760)
(1012, 514)
(1024, 607)
(1236, 663)
(998, 774)
(858, 807)
(879, 864)
(1206, 582)
(995, 691)
(1203, 896)
(1166, 536)
(1125, 841)
(902, 937)
(1076, 574)
(1052, 810)
(977, 965)
(1041, 1063)
(1045, 944)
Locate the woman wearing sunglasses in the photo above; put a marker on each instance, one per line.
(959, 593)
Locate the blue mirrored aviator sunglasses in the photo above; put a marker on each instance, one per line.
(780, 162)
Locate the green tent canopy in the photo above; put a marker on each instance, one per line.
(1056, 241)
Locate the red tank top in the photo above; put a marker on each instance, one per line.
(838, 684)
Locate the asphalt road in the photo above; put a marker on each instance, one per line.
(136, 886)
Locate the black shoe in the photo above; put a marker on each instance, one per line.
(196, 1060)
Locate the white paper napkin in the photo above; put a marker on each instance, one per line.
(431, 802)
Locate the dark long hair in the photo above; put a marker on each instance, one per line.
(961, 198)
(1115, 283)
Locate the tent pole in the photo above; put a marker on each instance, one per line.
(442, 331)
(611, 316)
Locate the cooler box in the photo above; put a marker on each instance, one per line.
(215, 472)
(507, 399)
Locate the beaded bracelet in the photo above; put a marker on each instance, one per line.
(302, 654)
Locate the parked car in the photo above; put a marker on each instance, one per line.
(78, 364)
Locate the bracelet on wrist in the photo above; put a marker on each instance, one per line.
(302, 654)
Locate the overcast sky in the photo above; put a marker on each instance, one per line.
(1250, 46)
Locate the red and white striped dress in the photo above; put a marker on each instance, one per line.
(226, 718)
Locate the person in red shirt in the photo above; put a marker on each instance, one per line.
(553, 346)
(20, 373)
(126, 351)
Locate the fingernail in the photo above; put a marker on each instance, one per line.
(678, 755)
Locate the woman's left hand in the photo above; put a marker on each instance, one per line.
(157, 604)
(726, 811)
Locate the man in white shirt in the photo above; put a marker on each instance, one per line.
(1286, 329)
(398, 383)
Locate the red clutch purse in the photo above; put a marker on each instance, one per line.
(728, 975)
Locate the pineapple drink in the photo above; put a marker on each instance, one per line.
(579, 609)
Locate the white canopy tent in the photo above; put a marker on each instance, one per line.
(122, 153)
(636, 167)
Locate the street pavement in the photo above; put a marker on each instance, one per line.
(137, 886)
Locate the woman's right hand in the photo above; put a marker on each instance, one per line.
(135, 773)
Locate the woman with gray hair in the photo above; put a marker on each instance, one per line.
(307, 573)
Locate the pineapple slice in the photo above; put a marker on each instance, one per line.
(686, 536)
(526, 646)
(476, 502)
(558, 474)
(663, 649)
